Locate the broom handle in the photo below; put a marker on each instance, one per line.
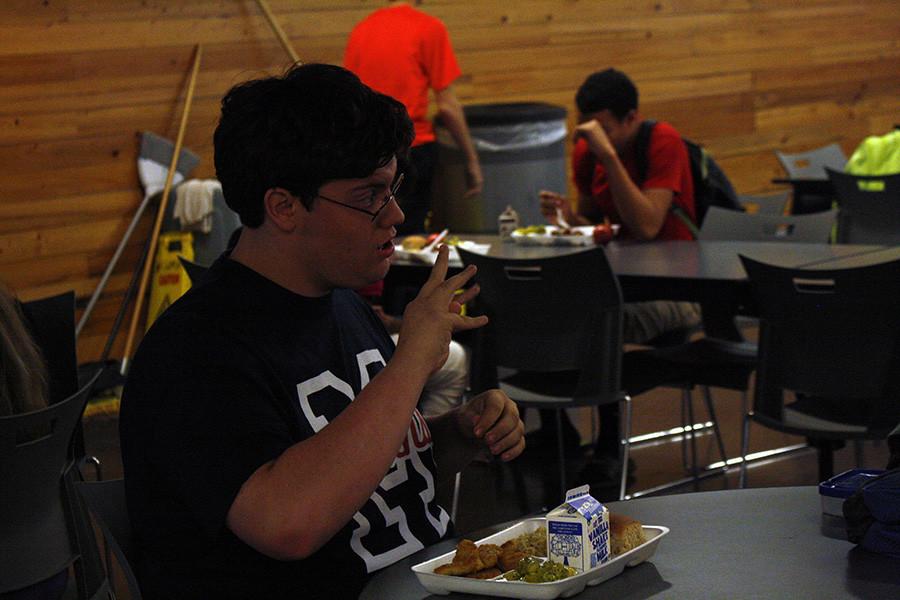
(154, 238)
(279, 32)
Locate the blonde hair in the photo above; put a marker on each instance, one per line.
(23, 377)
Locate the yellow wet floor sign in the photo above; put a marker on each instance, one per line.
(170, 280)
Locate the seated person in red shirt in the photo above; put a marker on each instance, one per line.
(271, 440)
(605, 170)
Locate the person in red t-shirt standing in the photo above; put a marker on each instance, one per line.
(403, 52)
(605, 170)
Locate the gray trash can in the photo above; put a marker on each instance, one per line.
(521, 148)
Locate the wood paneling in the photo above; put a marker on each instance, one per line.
(81, 79)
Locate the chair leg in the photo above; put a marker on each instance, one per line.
(826, 461)
(454, 503)
(690, 411)
(745, 449)
(859, 453)
(685, 399)
(707, 396)
(625, 411)
(562, 453)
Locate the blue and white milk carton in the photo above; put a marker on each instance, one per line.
(578, 531)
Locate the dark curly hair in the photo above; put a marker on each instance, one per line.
(610, 90)
(315, 124)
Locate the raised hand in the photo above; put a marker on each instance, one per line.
(431, 318)
(596, 137)
(550, 201)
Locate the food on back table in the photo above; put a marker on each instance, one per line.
(602, 233)
(566, 231)
(536, 570)
(412, 243)
(625, 533)
(538, 229)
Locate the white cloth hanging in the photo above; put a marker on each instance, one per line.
(194, 204)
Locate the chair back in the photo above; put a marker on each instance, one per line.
(869, 208)
(40, 531)
(51, 322)
(827, 333)
(106, 501)
(553, 314)
(811, 164)
(769, 204)
(721, 224)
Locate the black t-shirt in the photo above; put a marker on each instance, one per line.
(230, 376)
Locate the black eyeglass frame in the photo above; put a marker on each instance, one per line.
(392, 195)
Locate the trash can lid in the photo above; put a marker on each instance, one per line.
(508, 114)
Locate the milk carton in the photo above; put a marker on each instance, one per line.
(578, 531)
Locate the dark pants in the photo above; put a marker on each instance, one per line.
(415, 194)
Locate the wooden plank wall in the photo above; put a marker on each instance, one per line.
(81, 79)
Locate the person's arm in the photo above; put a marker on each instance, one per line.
(488, 422)
(586, 212)
(291, 506)
(453, 118)
(642, 212)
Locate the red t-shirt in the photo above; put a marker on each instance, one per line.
(668, 167)
(402, 52)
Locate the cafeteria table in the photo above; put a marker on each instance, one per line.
(753, 543)
(699, 271)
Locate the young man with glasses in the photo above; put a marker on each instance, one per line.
(264, 410)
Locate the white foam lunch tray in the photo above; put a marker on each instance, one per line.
(564, 588)
(429, 257)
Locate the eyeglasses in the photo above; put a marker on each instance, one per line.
(371, 201)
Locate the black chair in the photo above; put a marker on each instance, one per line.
(812, 164)
(106, 502)
(812, 191)
(722, 359)
(44, 528)
(832, 338)
(554, 339)
(768, 204)
(869, 208)
(51, 322)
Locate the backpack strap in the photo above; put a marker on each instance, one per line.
(642, 148)
(686, 219)
(641, 151)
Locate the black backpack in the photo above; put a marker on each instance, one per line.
(711, 185)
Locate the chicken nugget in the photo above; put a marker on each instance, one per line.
(465, 561)
(485, 574)
(488, 554)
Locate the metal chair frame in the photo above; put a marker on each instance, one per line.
(554, 339)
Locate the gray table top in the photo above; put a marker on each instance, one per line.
(694, 270)
(756, 543)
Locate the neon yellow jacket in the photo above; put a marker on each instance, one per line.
(876, 155)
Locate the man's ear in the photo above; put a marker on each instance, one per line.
(282, 208)
(630, 117)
